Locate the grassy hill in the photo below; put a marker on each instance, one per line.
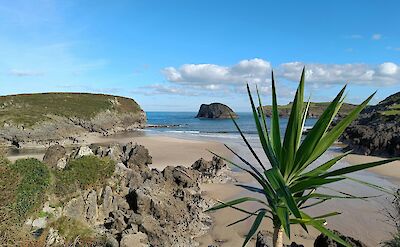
(315, 110)
(29, 109)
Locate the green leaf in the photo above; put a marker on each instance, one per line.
(330, 137)
(247, 143)
(255, 226)
(315, 134)
(277, 182)
(292, 133)
(234, 202)
(275, 128)
(324, 167)
(317, 225)
(263, 139)
(354, 168)
(312, 182)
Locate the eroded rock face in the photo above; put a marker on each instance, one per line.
(377, 130)
(140, 206)
(53, 155)
(215, 111)
(214, 171)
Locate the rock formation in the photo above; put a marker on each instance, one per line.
(377, 130)
(139, 206)
(63, 117)
(215, 111)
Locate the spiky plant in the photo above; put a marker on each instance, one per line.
(288, 186)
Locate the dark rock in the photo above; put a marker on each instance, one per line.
(376, 132)
(212, 171)
(215, 110)
(324, 241)
(53, 154)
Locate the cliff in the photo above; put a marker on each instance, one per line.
(48, 117)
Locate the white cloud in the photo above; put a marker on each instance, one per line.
(361, 74)
(23, 73)
(253, 71)
(376, 36)
(388, 68)
(203, 79)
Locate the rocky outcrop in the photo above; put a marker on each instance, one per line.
(140, 206)
(215, 111)
(377, 130)
(213, 171)
(53, 155)
(63, 117)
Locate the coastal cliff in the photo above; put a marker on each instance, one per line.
(52, 117)
(215, 111)
(377, 130)
(315, 110)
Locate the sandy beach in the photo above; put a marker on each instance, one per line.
(360, 219)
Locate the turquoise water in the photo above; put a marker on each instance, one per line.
(185, 122)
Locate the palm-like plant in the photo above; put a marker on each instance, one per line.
(288, 186)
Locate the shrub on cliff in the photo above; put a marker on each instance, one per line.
(82, 173)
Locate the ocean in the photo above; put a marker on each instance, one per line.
(185, 124)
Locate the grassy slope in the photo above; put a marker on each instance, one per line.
(316, 108)
(25, 185)
(29, 109)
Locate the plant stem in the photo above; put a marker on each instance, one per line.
(277, 239)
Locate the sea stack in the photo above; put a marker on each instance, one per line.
(216, 111)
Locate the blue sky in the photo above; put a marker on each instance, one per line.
(175, 55)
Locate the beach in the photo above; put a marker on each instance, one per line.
(361, 219)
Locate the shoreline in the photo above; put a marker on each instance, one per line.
(356, 221)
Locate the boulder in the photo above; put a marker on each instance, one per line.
(82, 151)
(324, 241)
(53, 155)
(215, 171)
(138, 239)
(215, 111)
(75, 208)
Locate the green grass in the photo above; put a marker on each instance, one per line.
(29, 109)
(30, 193)
(23, 186)
(70, 229)
(83, 173)
(392, 110)
(315, 109)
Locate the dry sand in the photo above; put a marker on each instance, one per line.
(359, 219)
(390, 170)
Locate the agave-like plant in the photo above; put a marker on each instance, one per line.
(288, 186)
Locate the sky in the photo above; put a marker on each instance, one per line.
(176, 55)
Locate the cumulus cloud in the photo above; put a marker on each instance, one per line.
(206, 75)
(201, 79)
(376, 36)
(23, 73)
(361, 74)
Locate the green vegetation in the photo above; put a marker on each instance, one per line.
(72, 229)
(291, 184)
(23, 185)
(82, 173)
(315, 109)
(392, 110)
(29, 109)
(30, 194)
